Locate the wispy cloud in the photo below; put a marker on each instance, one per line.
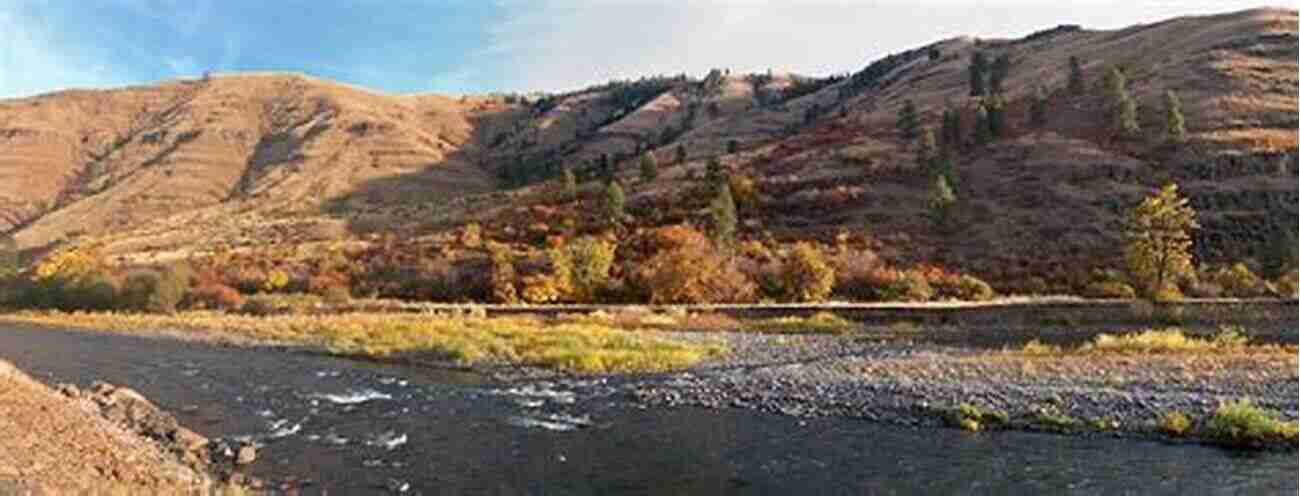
(557, 44)
(33, 60)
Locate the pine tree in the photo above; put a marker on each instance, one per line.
(1038, 108)
(951, 132)
(1159, 242)
(942, 199)
(1076, 85)
(732, 146)
(943, 166)
(679, 155)
(1280, 254)
(982, 130)
(723, 212)
(570, 185)
(908, 121)
(996, 116)
(998, 73)
(926, 150)
(1175, 125)
(979, 67)
(614, 202)
(1120, 107)
(713, 173)
(606, 168)
(649, 167)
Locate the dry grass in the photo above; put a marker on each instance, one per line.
(581, 347)
(1157, 341)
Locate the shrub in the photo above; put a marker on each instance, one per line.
(215, 296)
(275, 280)
(336, 295)
(1237, 281)
(502, 278)
(743, 192)
(1241, 424)
(1174, 423)
(156, 291)
(971, 288)
(886, 284)
(281, 304)
(1287, 284)
(591, 260)
(805, 275)
(687, 269)
(1110, 289)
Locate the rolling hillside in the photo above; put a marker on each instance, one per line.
(253, 160)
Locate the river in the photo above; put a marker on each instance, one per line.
(348, 427)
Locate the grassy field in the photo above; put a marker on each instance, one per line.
(581, 345)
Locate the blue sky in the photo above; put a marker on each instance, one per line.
(466, 46)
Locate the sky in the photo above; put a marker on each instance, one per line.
(481, 46)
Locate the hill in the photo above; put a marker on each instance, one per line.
(255, 162)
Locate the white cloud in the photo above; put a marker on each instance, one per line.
(565, 44)
(33, 60)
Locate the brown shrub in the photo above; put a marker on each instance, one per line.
(688, 269)
(215, 296)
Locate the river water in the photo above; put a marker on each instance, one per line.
(349, 427)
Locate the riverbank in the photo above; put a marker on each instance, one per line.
(923, 384)
(109, 440)
(815, 366)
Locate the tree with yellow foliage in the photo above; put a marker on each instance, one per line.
(1159, 242)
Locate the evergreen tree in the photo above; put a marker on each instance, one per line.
(1120, 107)
(679, 155)
(713, 172)
(606, 167)
(1175, 126)
(998, 73)
(942, 199)
(732, 146)
(1076, 85)
(982, 134)
(1280, 255)
(979, 68)
(926, 150)
(996, 116)
(908, 121)
(1159, 242)
(649, 167)
(570, 185)
(723, 212)
(951, 132)
(614, 202)
(943, 166)
(1038, 108)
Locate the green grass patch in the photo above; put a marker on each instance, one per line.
(1055, 421)
(817, 323)
(972, 418)
(1174, 423)
(582, 347)
(1240, 424)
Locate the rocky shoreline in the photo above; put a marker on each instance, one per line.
(919, 384)
(100, 438)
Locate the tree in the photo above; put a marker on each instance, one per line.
(1076, 85)
(998, 73)
(996, 116)
(713, 173)
(9, 263)
(679, 155)
(979, 67)
(951, 132)
(1175, 125)
(1038, 108)
(983, 135)
(943, 166)
(908, 121)
(1158, 242)
(732, 146)
(570, 185)
(1280, 254)
(942, 199)
(1120, 108)
(606, 167)
(614, 202)
(805, 275)
(723, 213)
(649, 167)
(926, 150)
